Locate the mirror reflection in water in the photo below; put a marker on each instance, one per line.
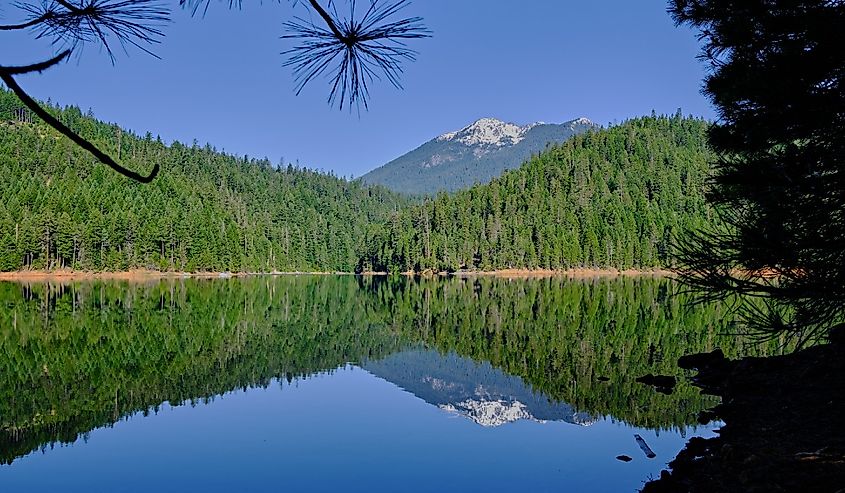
(320, 383)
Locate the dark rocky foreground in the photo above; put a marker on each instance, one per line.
(784, 425)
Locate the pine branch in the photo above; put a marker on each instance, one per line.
(36, 67)
(354, 50)
(73, 136)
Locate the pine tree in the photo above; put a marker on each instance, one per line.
(777, 83)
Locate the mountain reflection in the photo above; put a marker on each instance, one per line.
(486, 395)
(81, 356)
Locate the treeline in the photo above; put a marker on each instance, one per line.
(608, 198)
(206, 211)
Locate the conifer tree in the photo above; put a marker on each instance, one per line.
(777, 84)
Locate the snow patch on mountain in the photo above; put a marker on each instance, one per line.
(489, 132)
(437, 160)
(447, 136)
(477, 153)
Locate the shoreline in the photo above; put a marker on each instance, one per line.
(782, 426)
(138, 275)
(580, 273)
(143, 275)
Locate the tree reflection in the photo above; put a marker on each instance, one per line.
(80, 356)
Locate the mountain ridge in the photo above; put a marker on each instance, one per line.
(476, 153)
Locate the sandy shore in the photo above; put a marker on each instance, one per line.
(141, 275)
(570, 273)
(135, 275)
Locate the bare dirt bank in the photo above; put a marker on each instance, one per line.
(143, 275)
(139, 275)
(72, 275)
(570, 273)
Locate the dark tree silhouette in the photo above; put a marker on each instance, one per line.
(777, 69)
(354, 50)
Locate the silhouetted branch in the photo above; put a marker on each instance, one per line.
(130, 22)
(370, 46)
(73, 136)
(70, 23)
(194, 5)
(24, 25)
(36, 67)
(327, 18)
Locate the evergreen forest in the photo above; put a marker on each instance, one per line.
(206, 211)
(611, 197)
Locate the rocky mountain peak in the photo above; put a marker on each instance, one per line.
(488, 132)
(476, 153)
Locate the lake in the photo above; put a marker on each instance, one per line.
(319, 383)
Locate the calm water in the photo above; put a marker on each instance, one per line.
(344, 384)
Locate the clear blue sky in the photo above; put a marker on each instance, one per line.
(221, 80)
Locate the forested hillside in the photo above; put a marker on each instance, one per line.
(608, 198)
(205, 211)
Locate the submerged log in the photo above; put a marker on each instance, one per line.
(644, 447)
(661, 383)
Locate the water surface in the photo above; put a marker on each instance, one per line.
(343, 383)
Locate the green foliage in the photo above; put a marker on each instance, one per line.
(207, 211)
(609, 198)
(85, 355)
(777, 82)
(82, 356)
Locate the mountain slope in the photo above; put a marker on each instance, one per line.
(609, 198)
(475, 154)
(205, 211)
